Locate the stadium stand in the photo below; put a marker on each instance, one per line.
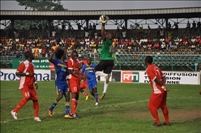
(171, 46)
(130, 52)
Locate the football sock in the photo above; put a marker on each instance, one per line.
(36, 108)
(100, 73)
(84, 93)
(76, 103)
(53, 105)
(154, 113)
(96, 97)
(105, 87)
(20, 105)
(67, 107)
(165, 114)
(73, 105)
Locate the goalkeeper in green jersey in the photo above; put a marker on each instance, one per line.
(105, 66)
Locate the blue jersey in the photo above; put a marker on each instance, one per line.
(61, 71)
(89, 71)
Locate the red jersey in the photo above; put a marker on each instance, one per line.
(73, 65)
(154, 72)
(26, 67)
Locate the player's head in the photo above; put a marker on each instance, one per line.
(28, 55)
(89, 60)
(60, 54)
(109, 35)
(148, 60)
(74, 55)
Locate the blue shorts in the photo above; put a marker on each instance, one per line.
(61, 87)
(91, 84)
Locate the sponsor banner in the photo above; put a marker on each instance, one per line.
(171, 77)
(116, 76)
(38, 63)
(103, 78)
(9, 74)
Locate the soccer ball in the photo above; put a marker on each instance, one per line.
(103, 18)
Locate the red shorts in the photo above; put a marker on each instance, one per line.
(74, 86)
(84, 85)
(158, 100)
(29, 93)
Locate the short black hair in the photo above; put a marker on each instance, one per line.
(59, 53)
(88, 58)
(74, 52)
(149, 59)
(28, 54)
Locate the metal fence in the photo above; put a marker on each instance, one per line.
(173, 62)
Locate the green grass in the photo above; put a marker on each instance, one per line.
(124, 110)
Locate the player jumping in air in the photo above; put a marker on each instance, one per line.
(159, 92)
(74, 79)
(89, 71)
(61, 84)
(104, 67)
(27, 86)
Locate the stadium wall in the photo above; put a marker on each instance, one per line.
(172, 77)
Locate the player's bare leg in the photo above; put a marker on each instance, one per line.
(106, 82)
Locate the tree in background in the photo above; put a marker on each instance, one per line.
(42, 5)
(37, 5)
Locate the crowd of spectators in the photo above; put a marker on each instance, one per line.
(42, 47)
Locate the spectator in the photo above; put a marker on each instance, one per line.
(163, 46)
(157, 46)
(90, 27)
(79, 26)
(18, 54)
(162, 33)
(63, 27)
(123, 33)
(193, 27)
(86, 33)
(149, 47)
(94, 26)
(44, 51)
(36, 52)
(188, 26)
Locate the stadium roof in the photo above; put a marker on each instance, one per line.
(187, 12)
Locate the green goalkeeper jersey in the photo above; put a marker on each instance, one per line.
(106, 51)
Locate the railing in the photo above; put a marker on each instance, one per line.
(173, 62)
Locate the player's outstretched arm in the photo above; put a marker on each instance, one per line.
(103, 19)
(51, 57)
(103, 30)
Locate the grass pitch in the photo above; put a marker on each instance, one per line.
(123, 110)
